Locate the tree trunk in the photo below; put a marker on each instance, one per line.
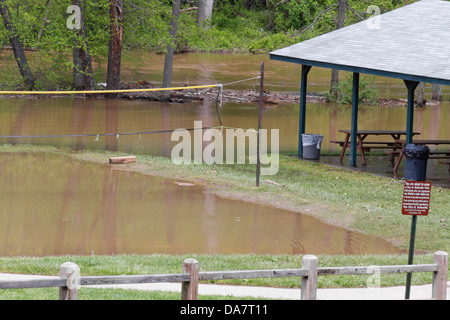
(82, 69)
(47, 8)
(339, 24)
(17, 47)
(420, 91)
(168, 61)
(204, 13)
(436, 92)
(115, 46)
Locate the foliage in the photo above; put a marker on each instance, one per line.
(342, 92)
(146, 24)
(256, 26)
(52, 61)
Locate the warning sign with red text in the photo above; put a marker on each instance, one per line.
(416, 198)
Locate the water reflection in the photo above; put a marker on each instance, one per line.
(52, 205)
(78, 116)
(96, 116)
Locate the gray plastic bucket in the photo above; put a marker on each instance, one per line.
(311, 146)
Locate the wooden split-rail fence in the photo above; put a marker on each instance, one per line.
(70, 280)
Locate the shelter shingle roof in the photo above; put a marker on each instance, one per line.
(411, 43)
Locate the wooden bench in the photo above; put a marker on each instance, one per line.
(369, 145)
(341, 143)
(439, 155)
(446, 163)
(433, 155)
(445, 155)
(364, 145)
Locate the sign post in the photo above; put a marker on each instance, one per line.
(258, 156)
(416, 202)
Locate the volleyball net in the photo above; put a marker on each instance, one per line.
(44, 118)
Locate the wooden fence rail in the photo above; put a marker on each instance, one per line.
(70, 280)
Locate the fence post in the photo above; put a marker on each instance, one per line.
(439, 287)
(71, 272)
(189, 289)
(309, 282)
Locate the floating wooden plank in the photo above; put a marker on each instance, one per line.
(185, 184)
(122, 160)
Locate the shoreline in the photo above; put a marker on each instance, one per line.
(271, 99)
(318, 194)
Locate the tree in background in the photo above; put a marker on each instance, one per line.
(82, 63)
(257, 26)
(17, 47)
(115, 45)
(168, 61)
(436, 92)
(342, 8)
(204, 13)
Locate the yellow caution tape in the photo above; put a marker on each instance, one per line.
(109, 91)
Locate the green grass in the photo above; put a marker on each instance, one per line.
(163, 264)
(103, 294)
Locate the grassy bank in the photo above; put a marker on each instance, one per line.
(354, 200)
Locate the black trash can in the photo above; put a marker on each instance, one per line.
(416, 162)
(311, 146)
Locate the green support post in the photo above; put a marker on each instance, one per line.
(411, 255)
(355, 103)
(302, 122)
(411, 86)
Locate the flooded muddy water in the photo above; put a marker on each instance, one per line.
(66, 116)
(53, 205)
(207, 68)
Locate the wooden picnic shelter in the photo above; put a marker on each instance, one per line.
(410, 43)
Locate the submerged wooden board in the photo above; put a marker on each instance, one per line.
(122, 160)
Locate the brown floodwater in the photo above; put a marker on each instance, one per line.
(53, 205)
(96, 116)
(207, 68)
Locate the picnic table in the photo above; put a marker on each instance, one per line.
(433, 154)
(365, 146)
